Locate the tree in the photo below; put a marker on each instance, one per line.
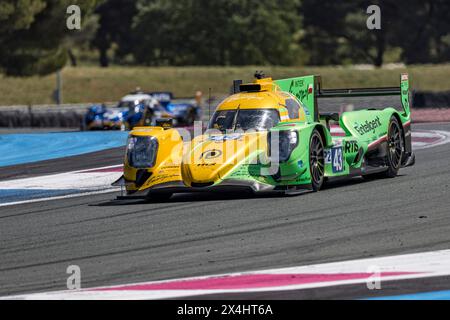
(80, 40)
(369, 45)
(422, 31)
(336, 32)
(115, 19)
(324, 25)
(220, 32)
(262, 32)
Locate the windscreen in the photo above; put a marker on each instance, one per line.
(244, 119)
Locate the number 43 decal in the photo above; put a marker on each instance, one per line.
(337, 160)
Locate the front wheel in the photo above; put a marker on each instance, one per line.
(316, 161)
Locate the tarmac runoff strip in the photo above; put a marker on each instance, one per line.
(98, 180)
(370, 271)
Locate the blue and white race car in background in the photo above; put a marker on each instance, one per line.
(182, 113)
(135, 109)
(100, 117)
(141, 109)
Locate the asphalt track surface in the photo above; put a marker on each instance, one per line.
(202, 234)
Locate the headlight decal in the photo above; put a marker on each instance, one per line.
(280, 149)
(142, 151)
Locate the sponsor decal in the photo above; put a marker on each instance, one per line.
(170, 167)
(337, 143)
(296, 84)
(368, 126)
(327, 155)
(302, 179)
(233, 136)
(206, 164)
(159, 179)
(288, 125)
(211, 154)
(296, 89)
(351, 147)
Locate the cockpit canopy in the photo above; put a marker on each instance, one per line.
(258, 106)
(244, 119)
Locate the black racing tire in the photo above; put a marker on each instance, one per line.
(394, 152)
(394, 148)
(158, 197)
(316, 161)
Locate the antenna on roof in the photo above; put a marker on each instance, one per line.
(209, 105)
(259, 75)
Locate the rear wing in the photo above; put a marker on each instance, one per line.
(308, 89)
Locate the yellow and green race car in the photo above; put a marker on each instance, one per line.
(270, 136)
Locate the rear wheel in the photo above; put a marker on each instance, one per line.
(394, 148)
(394, 152)
(316, 161)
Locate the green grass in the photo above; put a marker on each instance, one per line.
(93, 84)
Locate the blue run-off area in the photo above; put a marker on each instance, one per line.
(16, 195)
(434, 295)
(26, 148)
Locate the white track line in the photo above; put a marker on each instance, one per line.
(444, 139)
(84, 182)
(423, 265)
(75, 195)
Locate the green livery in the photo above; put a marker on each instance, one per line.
(368, 148)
